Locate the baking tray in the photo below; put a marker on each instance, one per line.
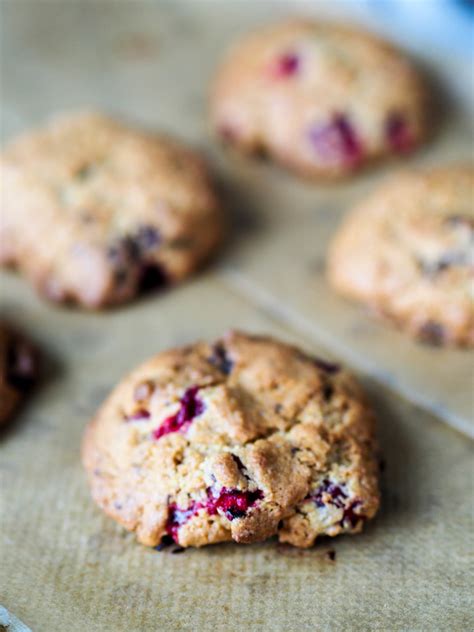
(64, 565)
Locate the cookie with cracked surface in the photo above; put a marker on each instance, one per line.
(94, 212)
(237, 440)
(18, 369)
(322, 99)
(408, 252)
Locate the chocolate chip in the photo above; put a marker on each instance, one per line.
(460, 220)
(147, 237)
(221, 360)
(166, 541)
(85, 172)
(235, 513)
(328, 392)
(21, 365)
(240, 466)
(448, 259)
(349, 515)
(152, 277)
(331, 555)
(432, 333)
(327, 367)
(228, 133)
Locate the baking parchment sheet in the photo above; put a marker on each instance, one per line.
(65, 566)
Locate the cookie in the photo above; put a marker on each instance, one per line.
(407, 251)
(95, 213)
(237, 440)
(322, 99)
(18, 369)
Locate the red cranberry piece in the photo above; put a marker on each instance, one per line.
(286, 66)
(337, 142)
(139, 415)
(232, 502)
(191, 407)
(399, 134)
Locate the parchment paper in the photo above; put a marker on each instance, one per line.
(66, 567)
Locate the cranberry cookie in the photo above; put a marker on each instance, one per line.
(319, 98)
(408, 252)
(94, 212)
(18, 368)
(239, 440)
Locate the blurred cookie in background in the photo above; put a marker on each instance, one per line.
(408, 252)
(322, 99)
(94, 212)
(18, 370)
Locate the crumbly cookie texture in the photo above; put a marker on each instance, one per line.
(94, 212)
(18, 369)
(408, 252)
(322, 99)
(239, 440)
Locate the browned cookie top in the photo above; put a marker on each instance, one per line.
(18, 368)
(94, 212)
(239, 440)
(320, 98)
(408, 251)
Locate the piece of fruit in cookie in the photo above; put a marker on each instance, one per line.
(322, 99)
(407, 251)
(94, 212)
(18, 370)
(238, 440)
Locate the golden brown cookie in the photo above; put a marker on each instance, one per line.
(322, 99)
(239, 440)
(94, 212)
(408, 252)
(18, 369)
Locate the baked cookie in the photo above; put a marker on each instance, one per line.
(322, 99)
(239, 440)
(408, 252)
(94, 212)
(18, 368)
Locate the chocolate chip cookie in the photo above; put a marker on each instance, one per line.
(94, 212)
(322, 99)
(18, 369)
(408, 252)
(238, 440)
